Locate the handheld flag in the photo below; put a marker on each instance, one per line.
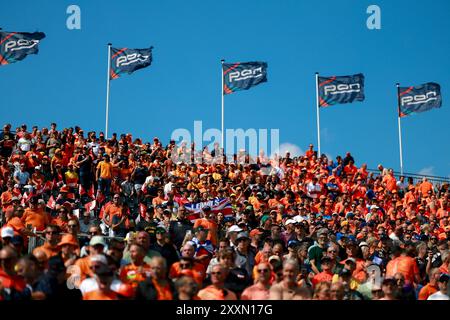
(15, 46)
(124, 60)
(419, 98)
(217, 205)
(243, 76)
(344, 89)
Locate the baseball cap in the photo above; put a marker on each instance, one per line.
(290, 221)
(293, 243)
(97, 240)
(243, 235)
(255, 232)
(444, 277)
(7, 232)
(363, 244)
(234, 228)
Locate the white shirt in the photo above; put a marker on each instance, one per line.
(438, 296)
(90, 284)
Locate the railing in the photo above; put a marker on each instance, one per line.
(416, 177)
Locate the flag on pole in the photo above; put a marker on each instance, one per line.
(343, 89)
(243, 76)
(419, 98)
(15, 46)
(124, 60)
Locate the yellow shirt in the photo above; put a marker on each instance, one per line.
(105, 169)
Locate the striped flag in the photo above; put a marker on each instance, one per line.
(217, 205)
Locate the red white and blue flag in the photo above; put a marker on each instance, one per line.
(217, 205)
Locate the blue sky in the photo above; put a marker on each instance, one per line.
(66, 81)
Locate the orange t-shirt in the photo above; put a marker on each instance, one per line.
(198, 272)
(212, 293)
(133, 274)
(405, 265)
(425, 187)
(391, 183)
(212, 229)
(99, 295)
(163, 293)
(106, 169)
(48, 250)
(427, 291)
(37, 219)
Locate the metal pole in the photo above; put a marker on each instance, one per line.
(318, 114)
(107, 90)
(223, 109)
(399, 130)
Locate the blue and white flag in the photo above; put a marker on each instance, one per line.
(344, 89)
(16, 46)
(124, 60)
(243, 76)
(419, 98)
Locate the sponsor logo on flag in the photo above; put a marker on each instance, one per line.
(243, 76)
(124, 60)
(419, 99)
(15, 46)
(344, 89)
(217, 205)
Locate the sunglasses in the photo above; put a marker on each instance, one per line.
(216, 273)
(263, 270)
(332, 251)
(72, 225)
(185, 265)
(51, 232)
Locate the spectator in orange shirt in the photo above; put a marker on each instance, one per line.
(156, 287)
(52, 237)
(261, 289)
(104, 175)
(432, 286)
(137, 270)
(326, 275)
(404, 264)
(425, 187)
(35, 216)
(208, 222)
(217, 290)
(186, 288)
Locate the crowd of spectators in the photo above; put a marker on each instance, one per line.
(86, 217)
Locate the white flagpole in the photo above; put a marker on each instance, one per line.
(399, 129)
(223, 108)
(107, 89)
(318, 114)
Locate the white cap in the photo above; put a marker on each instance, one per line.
(99, 258)
(290, 221)
(234, 228)
(363, 244)
(299, 218)
(7, 232)
(373, 207)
